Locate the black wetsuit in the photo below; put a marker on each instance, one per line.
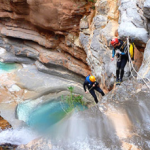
(91, 89)
(121, 59)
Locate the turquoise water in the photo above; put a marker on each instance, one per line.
(6, 67)
(42, 116)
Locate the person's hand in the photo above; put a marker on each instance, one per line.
(87, 92)
(93, 85)
(112, 59)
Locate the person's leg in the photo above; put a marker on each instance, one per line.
(94, 95)
(118, 70)
(123, 63)
(99, 90)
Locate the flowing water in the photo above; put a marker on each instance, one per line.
(76, 129)
(17, 136)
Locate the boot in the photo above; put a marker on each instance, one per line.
(117, 82)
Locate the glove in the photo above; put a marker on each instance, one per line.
(118, 51)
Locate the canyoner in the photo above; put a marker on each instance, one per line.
(120, 50)
(92, 85)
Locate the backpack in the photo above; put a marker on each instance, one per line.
(88, 79)
(131, 51)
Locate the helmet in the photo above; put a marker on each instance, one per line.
(114, 41)
(92, 79)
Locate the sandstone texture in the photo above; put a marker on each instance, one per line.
(72, 35)
(52, 15)
(53, 25)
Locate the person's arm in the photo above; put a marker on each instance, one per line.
(119, 52)
(113, 53)
(84, 85)
(122, 53)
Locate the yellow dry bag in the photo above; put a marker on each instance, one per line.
(131, 50)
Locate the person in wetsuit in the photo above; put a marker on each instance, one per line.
(92, 85)
(121, 52)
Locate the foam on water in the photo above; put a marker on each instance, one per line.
(17, 136)
(83, 145)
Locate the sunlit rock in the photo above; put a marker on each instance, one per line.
(132, 23)
(99, 21)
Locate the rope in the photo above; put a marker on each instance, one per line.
(91, 88)
(131, 65)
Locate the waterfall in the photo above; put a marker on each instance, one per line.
(17, 136)
(86, 129)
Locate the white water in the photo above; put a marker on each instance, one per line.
(17, 136)
(84, 130)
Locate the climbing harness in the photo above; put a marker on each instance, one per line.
(132, 67)
(91, 88)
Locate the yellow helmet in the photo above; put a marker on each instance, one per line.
(92, 79)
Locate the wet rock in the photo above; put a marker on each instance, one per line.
(125, 106)
(43, 84)
(4, 124)
(8, 146)
(36, 144)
